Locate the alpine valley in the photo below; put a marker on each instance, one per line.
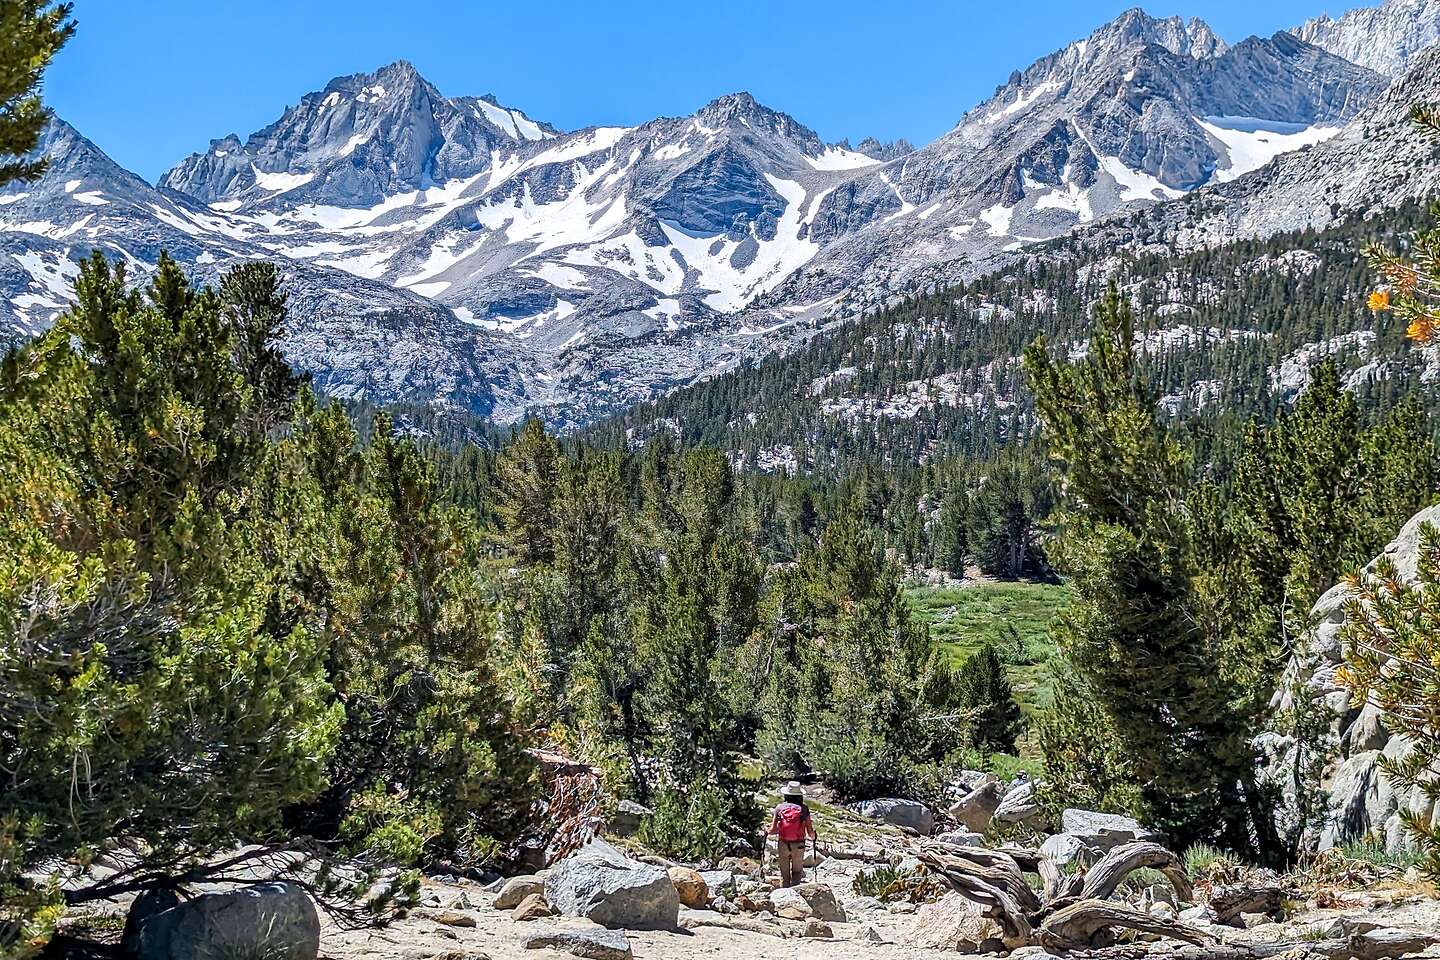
(455, 250)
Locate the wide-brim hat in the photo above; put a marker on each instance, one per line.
(793, 789)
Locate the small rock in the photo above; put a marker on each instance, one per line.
(806, 900)
(532, 907)
(902, 906)
(817, 930)
(753, 903)
(746, 866)
(591, 944)
(961, 838)
(1201, 916)
(1067, 848)
(1252, 920)
(1162, 911)
(628, 816)
(721, 882)
(856, 905)
(692, 889)
(517, 889)
(975, 810)
(869, 933)
(1103, 830)
(1019, 805)
(462, 902)
(445, 933)
(451, 918)
(952, 923)
(1034, 952)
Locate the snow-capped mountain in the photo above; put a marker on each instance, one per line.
(1141, 111)
(1383, 38)
(360, 140)
(457, 249)
(357, 337)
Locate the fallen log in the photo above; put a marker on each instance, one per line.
(1229, 902)
(1075, 927)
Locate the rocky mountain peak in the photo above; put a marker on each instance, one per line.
(744, 110)
(362, 138)
(893, 150)
(1192, 38)
(1384, 38)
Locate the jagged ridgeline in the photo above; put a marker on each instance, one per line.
(1231, 331)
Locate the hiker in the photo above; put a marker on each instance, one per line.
(791, 825)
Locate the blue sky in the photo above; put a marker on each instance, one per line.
(151, 81)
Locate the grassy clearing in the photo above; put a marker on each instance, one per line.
(1015, 617)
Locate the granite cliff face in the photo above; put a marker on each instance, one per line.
(1384, 38)
(1357, 800)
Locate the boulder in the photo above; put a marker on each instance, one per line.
(787, 904)
(1067, 848)
(960, 838)
(1103, 830)
(1019, 805)
(691, 888)
(148, 904)
(817, 930)
(864, 906)
(592, 944)
(1359, 801)
(532, 907)
(975, 810)
(806, 900)
(600, 883)
(517, 889)
(627, 818)
(953, 923)
(719, 882)
(911, 814)
(275, 920)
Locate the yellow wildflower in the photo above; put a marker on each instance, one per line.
(1423, 329)
(1379, 300)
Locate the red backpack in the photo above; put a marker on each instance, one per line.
(793, 818)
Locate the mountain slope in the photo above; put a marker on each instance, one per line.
(1141, 111)
(355, 336)
(577, 273)
(1384, 38)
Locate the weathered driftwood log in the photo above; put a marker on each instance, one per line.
(993, 866)
(1228, 902)
(1105, 877)
(1075, 927)
(1071, 912)
(974, 882)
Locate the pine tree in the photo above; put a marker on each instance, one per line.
(528, 482)
(1391, 636)
(31, 33)
(986, 693)
(160, 683)
(1135, 630)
